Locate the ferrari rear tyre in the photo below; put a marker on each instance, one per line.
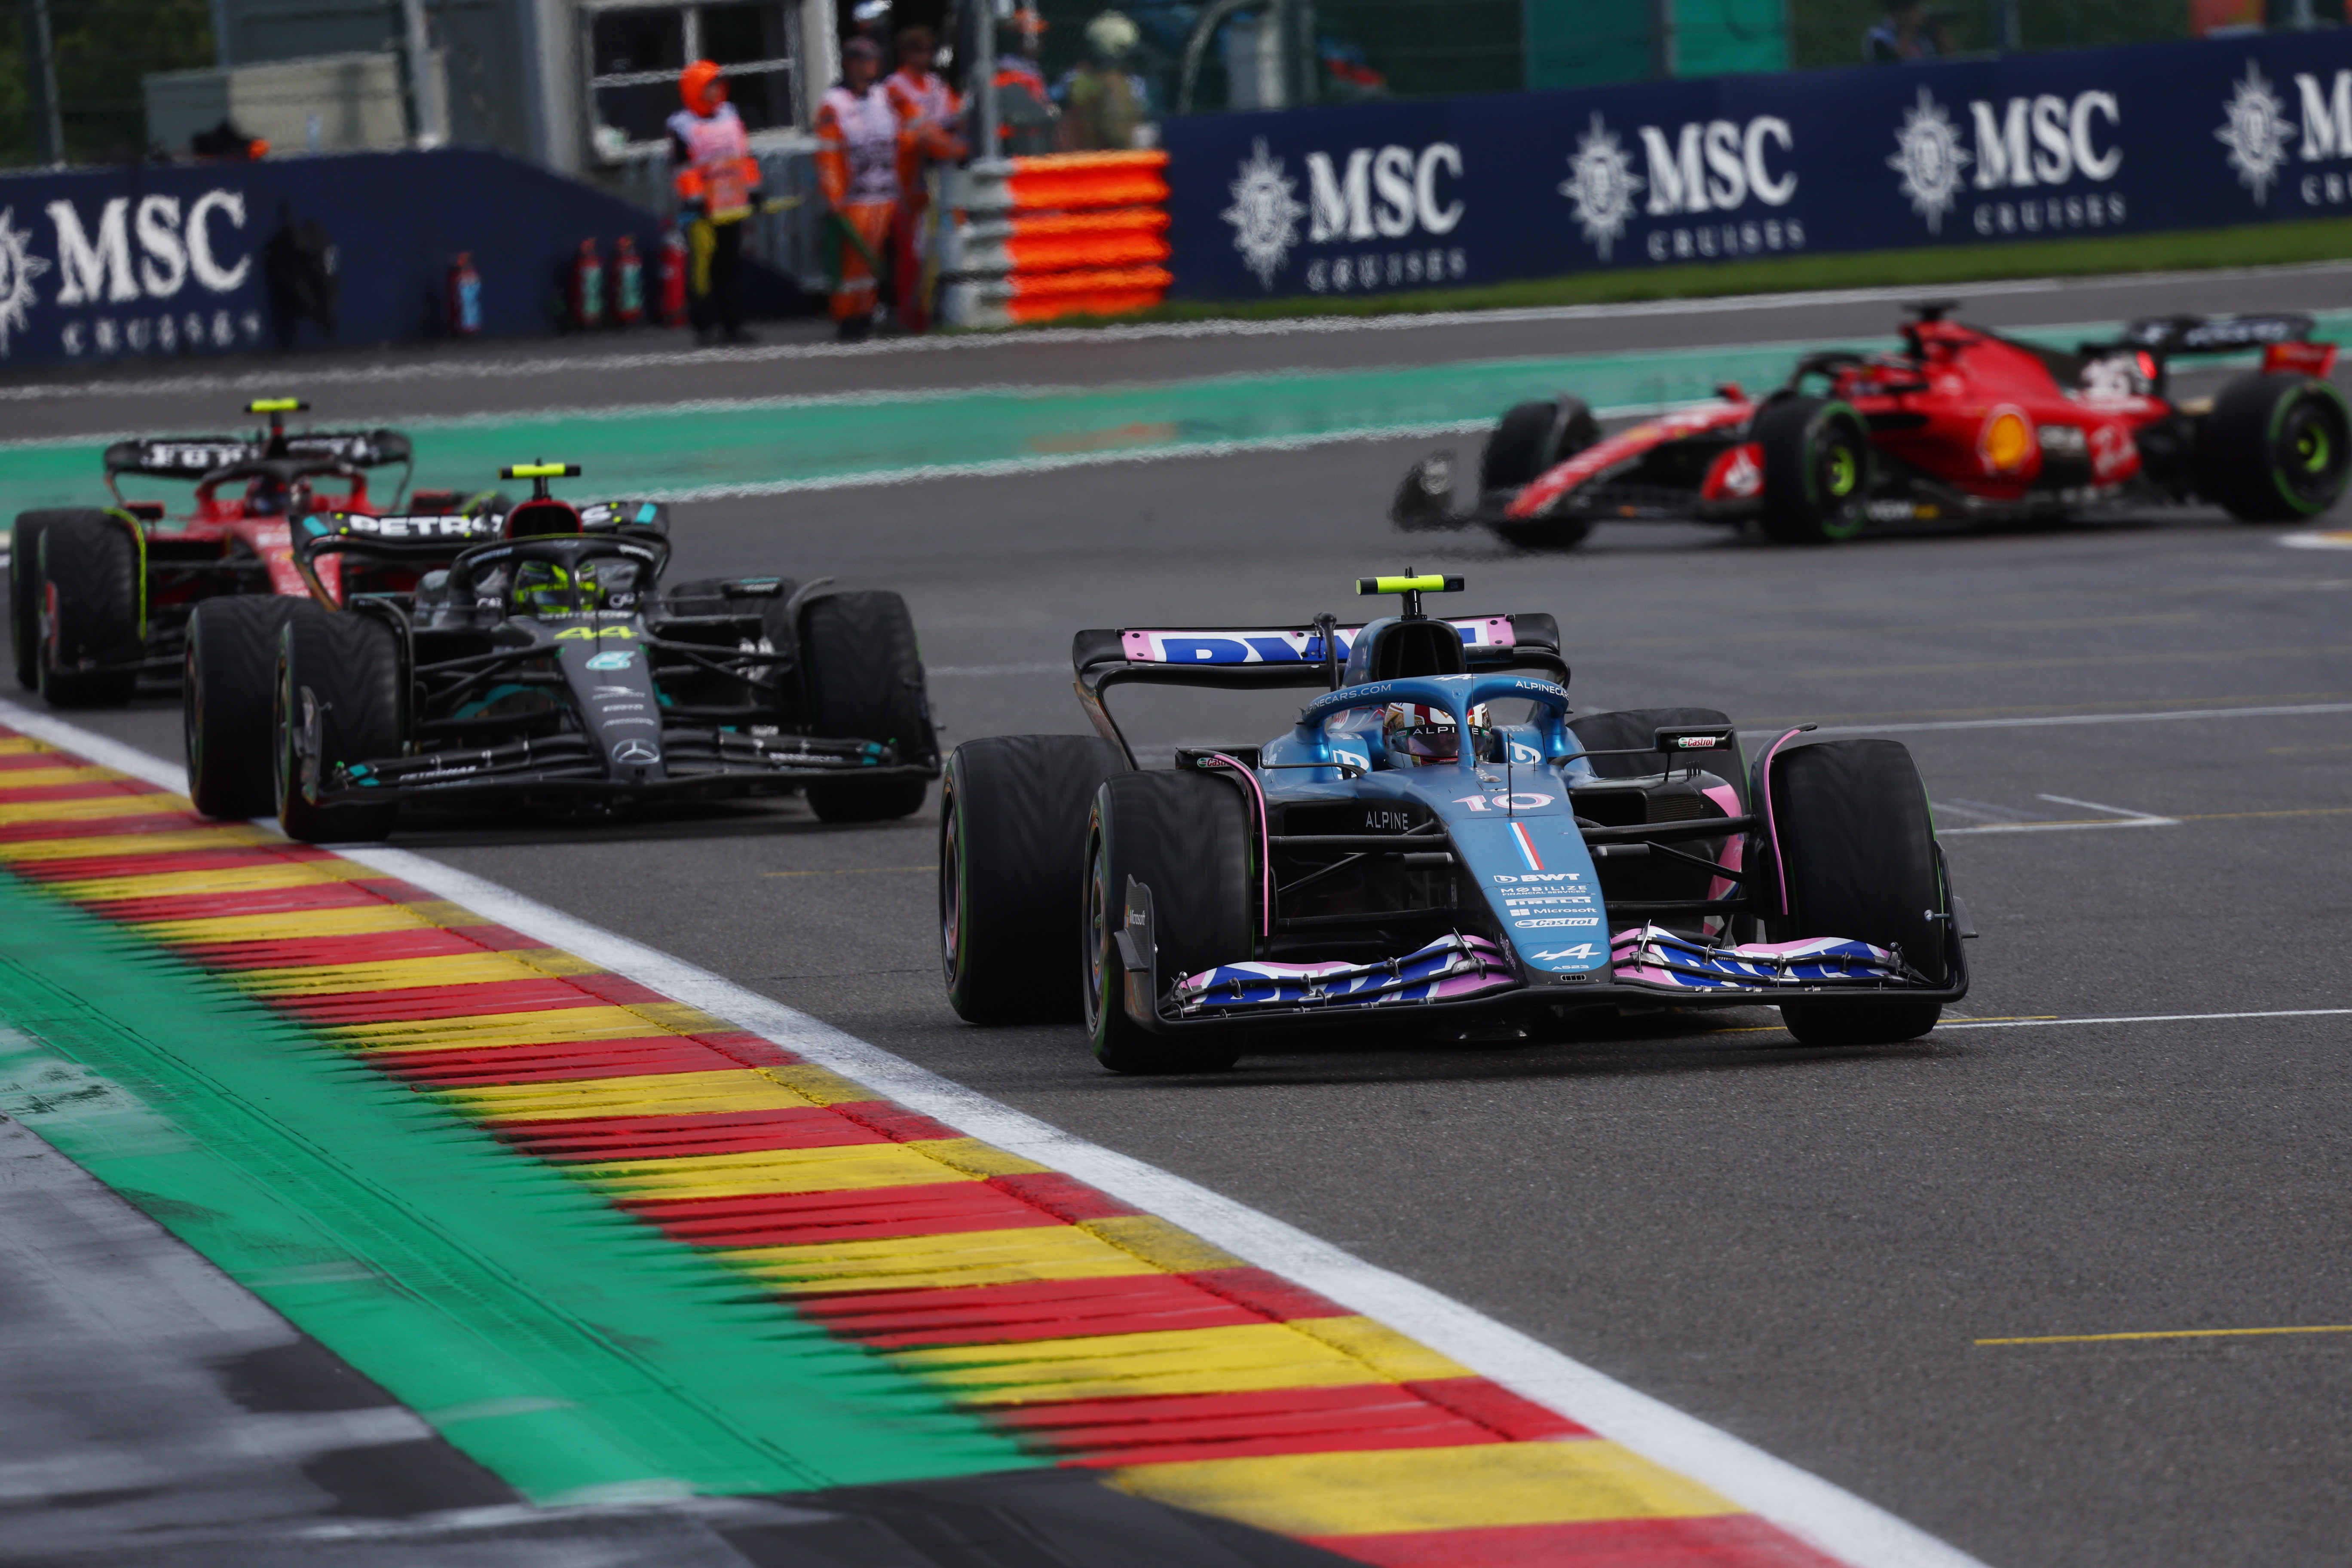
(1185, 836)
(2275, 448)
(339, 687)
(227, 698)
(25, 588)
(1858, 856)
(864, 675)
(1530, 439)
(1817, 467)
(1012, 860)
(90, 611)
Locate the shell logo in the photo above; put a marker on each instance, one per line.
(2006, 445)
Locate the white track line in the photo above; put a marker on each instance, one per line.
(2056, 720)
(1296, 326)
(1831, 1518)
(2140, 1018)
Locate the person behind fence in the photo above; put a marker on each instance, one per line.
(1911, 31)
(1102, 100)
(718, 186)
(1027, 123)
(858, 168)
(926, 108)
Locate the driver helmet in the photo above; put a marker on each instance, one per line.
(1417, 734)
(545, 588)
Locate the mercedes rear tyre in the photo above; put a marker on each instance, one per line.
(1531, 438)
(2275, 448)
(1012, 845)
(91, 638)
(226, 698)
(1817, 470)
(1186, 837)
(1858, 856)
(865, 676)
(338, 702)
(24, 586)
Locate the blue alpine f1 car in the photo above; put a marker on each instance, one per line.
(1439, 839)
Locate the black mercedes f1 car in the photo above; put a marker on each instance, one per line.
(536, 657)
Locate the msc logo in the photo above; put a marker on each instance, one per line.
(2021, 143)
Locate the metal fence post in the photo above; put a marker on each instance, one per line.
(41, 82)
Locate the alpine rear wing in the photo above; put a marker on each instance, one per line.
(1259, 658)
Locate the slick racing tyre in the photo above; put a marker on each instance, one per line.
(1817, 468)
(1531, 438)
(1858, 852)
(1186, 836)
(339, 691)
(865, 678)
(2275, 448)
(1012, 846)
(25, 588)
(90, 611)
(227, 698)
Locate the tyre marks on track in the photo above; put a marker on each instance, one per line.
(1094, 1333)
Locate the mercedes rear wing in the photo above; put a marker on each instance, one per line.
(1259, 658)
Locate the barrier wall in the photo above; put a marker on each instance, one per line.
(169, 259)
(1375, 197)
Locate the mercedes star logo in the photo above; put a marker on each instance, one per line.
(641, 751)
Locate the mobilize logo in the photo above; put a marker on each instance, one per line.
(2024, 143)
(1388, 193)
(182, 255)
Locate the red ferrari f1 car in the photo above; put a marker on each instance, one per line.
(1962, 422)
(100, 596)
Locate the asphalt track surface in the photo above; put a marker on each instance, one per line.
(1803, 1247)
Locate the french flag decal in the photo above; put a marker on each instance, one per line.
(1526, 846)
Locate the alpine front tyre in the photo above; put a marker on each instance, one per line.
(90, 638)
(338, 702)
(226, 698)
(2275, 448)
(1186, 837)
(1528, 440)
(1817, 470)
(1013, 848)
(865, 676)
(1857, 853)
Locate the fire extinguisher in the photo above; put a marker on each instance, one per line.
(588, 288)
(465, 295)
(628, 284)
(671, 309)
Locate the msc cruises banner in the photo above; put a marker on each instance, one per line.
(1372, 197)
(174, 259)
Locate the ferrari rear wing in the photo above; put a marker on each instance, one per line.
(1259, 658)
(191, 457)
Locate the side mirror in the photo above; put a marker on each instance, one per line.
(1696, 741)
(1424, 502)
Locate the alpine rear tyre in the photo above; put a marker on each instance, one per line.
(338, 693)
(864, 675)
(1012, 860)
(90, 638)
(1530, 439)
(1817, 468)
(1185, 836)
(1858, 855)
(226, 696)
(2275, 448)
(24, 586)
